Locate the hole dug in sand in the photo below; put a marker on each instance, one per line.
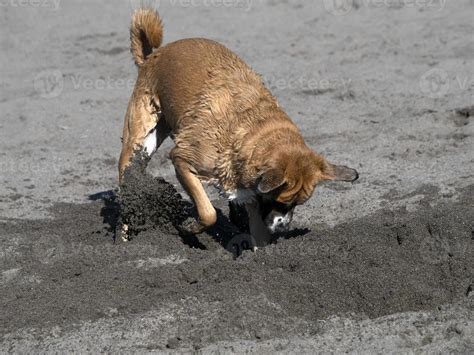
(148, 203)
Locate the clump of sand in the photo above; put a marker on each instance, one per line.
(148, 202)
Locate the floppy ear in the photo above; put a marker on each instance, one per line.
(340, 173)
(270, 180)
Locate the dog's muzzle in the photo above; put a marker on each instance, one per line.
(278, 222)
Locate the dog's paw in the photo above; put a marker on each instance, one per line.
(241, 242)
(190, 226)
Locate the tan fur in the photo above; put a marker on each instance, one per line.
(228, 128)
(146, 33)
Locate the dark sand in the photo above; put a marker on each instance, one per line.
(381, 266)
(70, 270)
(146, 202)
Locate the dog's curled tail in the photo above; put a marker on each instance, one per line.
(146, 33)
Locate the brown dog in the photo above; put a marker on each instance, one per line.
(228, 129)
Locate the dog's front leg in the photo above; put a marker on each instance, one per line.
(258, 229)
(207, 214)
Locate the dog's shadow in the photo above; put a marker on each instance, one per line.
(229, 234)
(110, 211)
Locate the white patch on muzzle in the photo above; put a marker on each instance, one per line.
(280, 223)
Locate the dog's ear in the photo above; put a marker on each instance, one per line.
(271, 180)
(340, 173)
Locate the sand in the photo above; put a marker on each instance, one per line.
(384, 265)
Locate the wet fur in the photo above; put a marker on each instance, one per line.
(227, 127)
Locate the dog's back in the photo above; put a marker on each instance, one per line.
(211, 99)
(200, 73)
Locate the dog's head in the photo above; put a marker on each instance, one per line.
(289, 178)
